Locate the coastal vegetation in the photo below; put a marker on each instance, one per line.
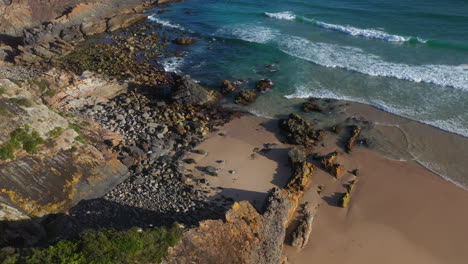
(103, 247)
(22, 137)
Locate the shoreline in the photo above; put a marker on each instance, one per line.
(216, 164)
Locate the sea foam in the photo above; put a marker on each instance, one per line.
(165, 23)
(355, 59)
(282, 15)
(350, 30)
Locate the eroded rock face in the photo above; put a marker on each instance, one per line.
(79, 91)
(355, 132)
(187, 91)
(248, 236)
(301, 235)
(61, 171)
(245, 237)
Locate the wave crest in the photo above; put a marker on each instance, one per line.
(287, 15)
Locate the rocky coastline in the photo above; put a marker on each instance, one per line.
(95, 134)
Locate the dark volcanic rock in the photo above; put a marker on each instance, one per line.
(264, 85)
(246, 97)
(187, 91)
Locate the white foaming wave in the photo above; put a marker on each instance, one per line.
(355, 59)
(368, 33)
(165, 22)
(287, 15)
(250, 33)
(172, 64)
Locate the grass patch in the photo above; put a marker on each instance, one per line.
(43, 85)
(24, 138)
(105, 247)
(75, 127)
(21, 101)
(4, 112)
(56, 132)
(81, 139)
(2, 90)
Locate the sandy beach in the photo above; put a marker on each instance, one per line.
(400, 212)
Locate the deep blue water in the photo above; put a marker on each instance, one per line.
(406, 57)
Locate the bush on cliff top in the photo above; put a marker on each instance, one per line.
(104, 247)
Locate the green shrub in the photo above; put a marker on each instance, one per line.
(73, 149)
(20, 138)
(2, 90)
(56, 132)
(107, 247)
(21, 101)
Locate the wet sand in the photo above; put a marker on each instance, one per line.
(399, 213)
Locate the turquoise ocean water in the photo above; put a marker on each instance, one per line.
(406, 57)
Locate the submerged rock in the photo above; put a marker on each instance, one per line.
(184, 41)
(228, 87)
(311, 107)
(264, 85)
(246, 97)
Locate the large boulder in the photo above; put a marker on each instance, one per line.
(246, 97)
(355, 133)
(264, 85)
(299, 131)
(187, 91)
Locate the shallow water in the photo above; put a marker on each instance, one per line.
(409, 58)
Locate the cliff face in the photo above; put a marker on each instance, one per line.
(47, 160)
(17, 15)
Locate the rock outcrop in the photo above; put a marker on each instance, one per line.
(228, 87)
(18, 15)
(329, 163)
(247, 236)
(355, 132)
(301, 234)
(64, 168)
(246, 97)
(264, 85)
(187, 91)
(299, 131)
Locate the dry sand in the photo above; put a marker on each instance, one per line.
(400, 212)
(255, 174)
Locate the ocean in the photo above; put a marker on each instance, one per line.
(409, 58)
